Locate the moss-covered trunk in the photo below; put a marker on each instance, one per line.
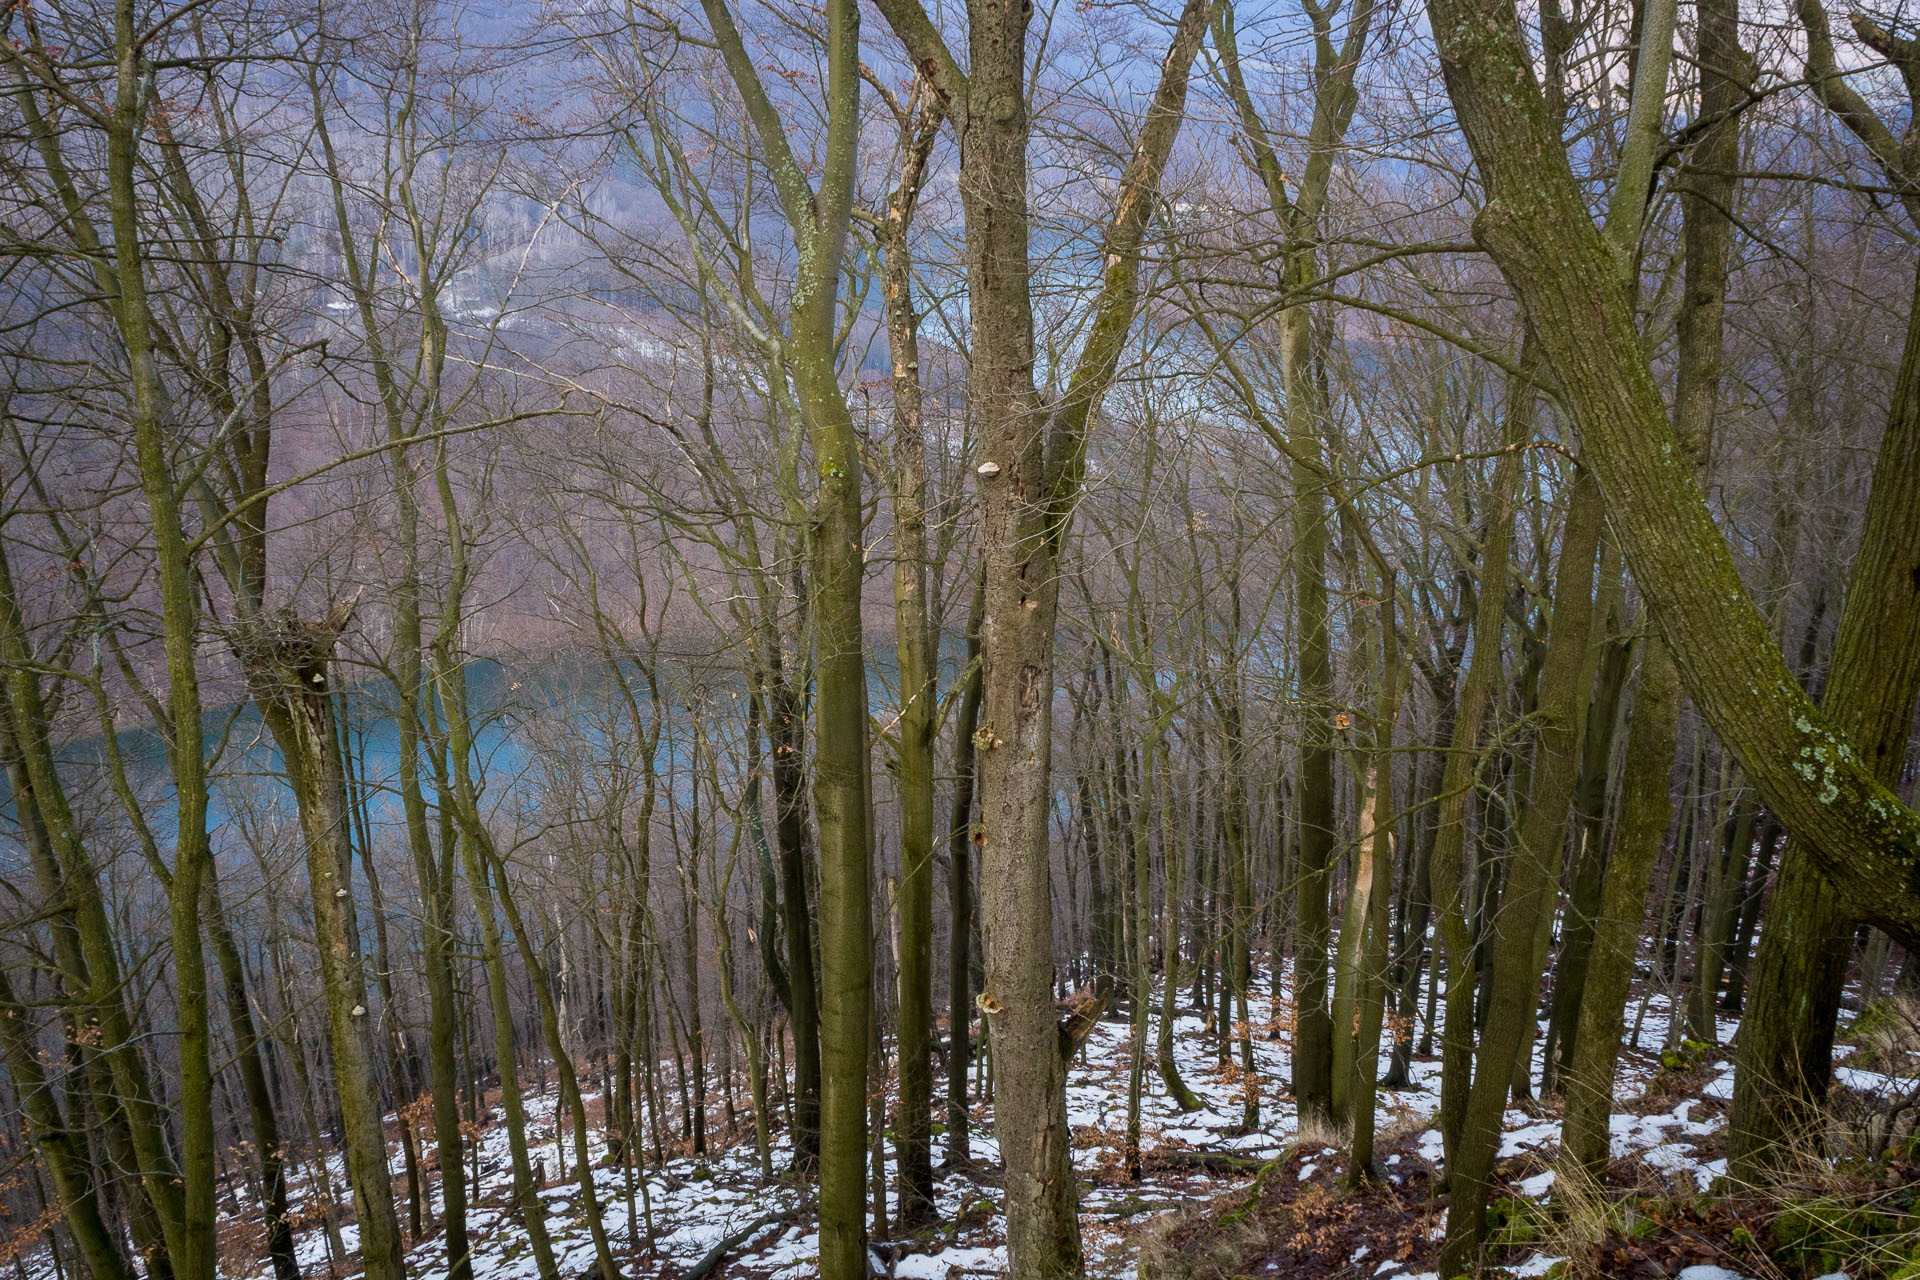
(1786, 1039)
(1573, 286)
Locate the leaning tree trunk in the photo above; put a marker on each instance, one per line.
(75, 1182)
(87, 953)
(1573, 285)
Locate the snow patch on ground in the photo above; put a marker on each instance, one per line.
(669, 1219)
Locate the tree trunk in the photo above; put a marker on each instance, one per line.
(1533, 876)
(526, 1195)
(75, 1182)
(1786, 1039)
(916, 658)
(287, 664)
(960, 897)
(1447, 864)
(1375, 863)
(1573, 285)
(1029, 475)
(1172, 901)
(1646, 785)
(253, 1081)
(786, 734)
(1589, 841)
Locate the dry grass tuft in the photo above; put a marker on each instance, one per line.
(1316, 1132)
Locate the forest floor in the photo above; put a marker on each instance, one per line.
(1276, 1207)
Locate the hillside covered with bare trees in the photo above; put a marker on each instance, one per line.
(875, 638)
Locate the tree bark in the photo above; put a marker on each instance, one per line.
(1786, 1040)
(1029, 475)
(960, 831)
(916, 656)
(253, 1081)
(1573, 287)
(287, 664)
(1533, 876)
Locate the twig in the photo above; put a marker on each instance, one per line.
(1209, 1161)
(727, 1244)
